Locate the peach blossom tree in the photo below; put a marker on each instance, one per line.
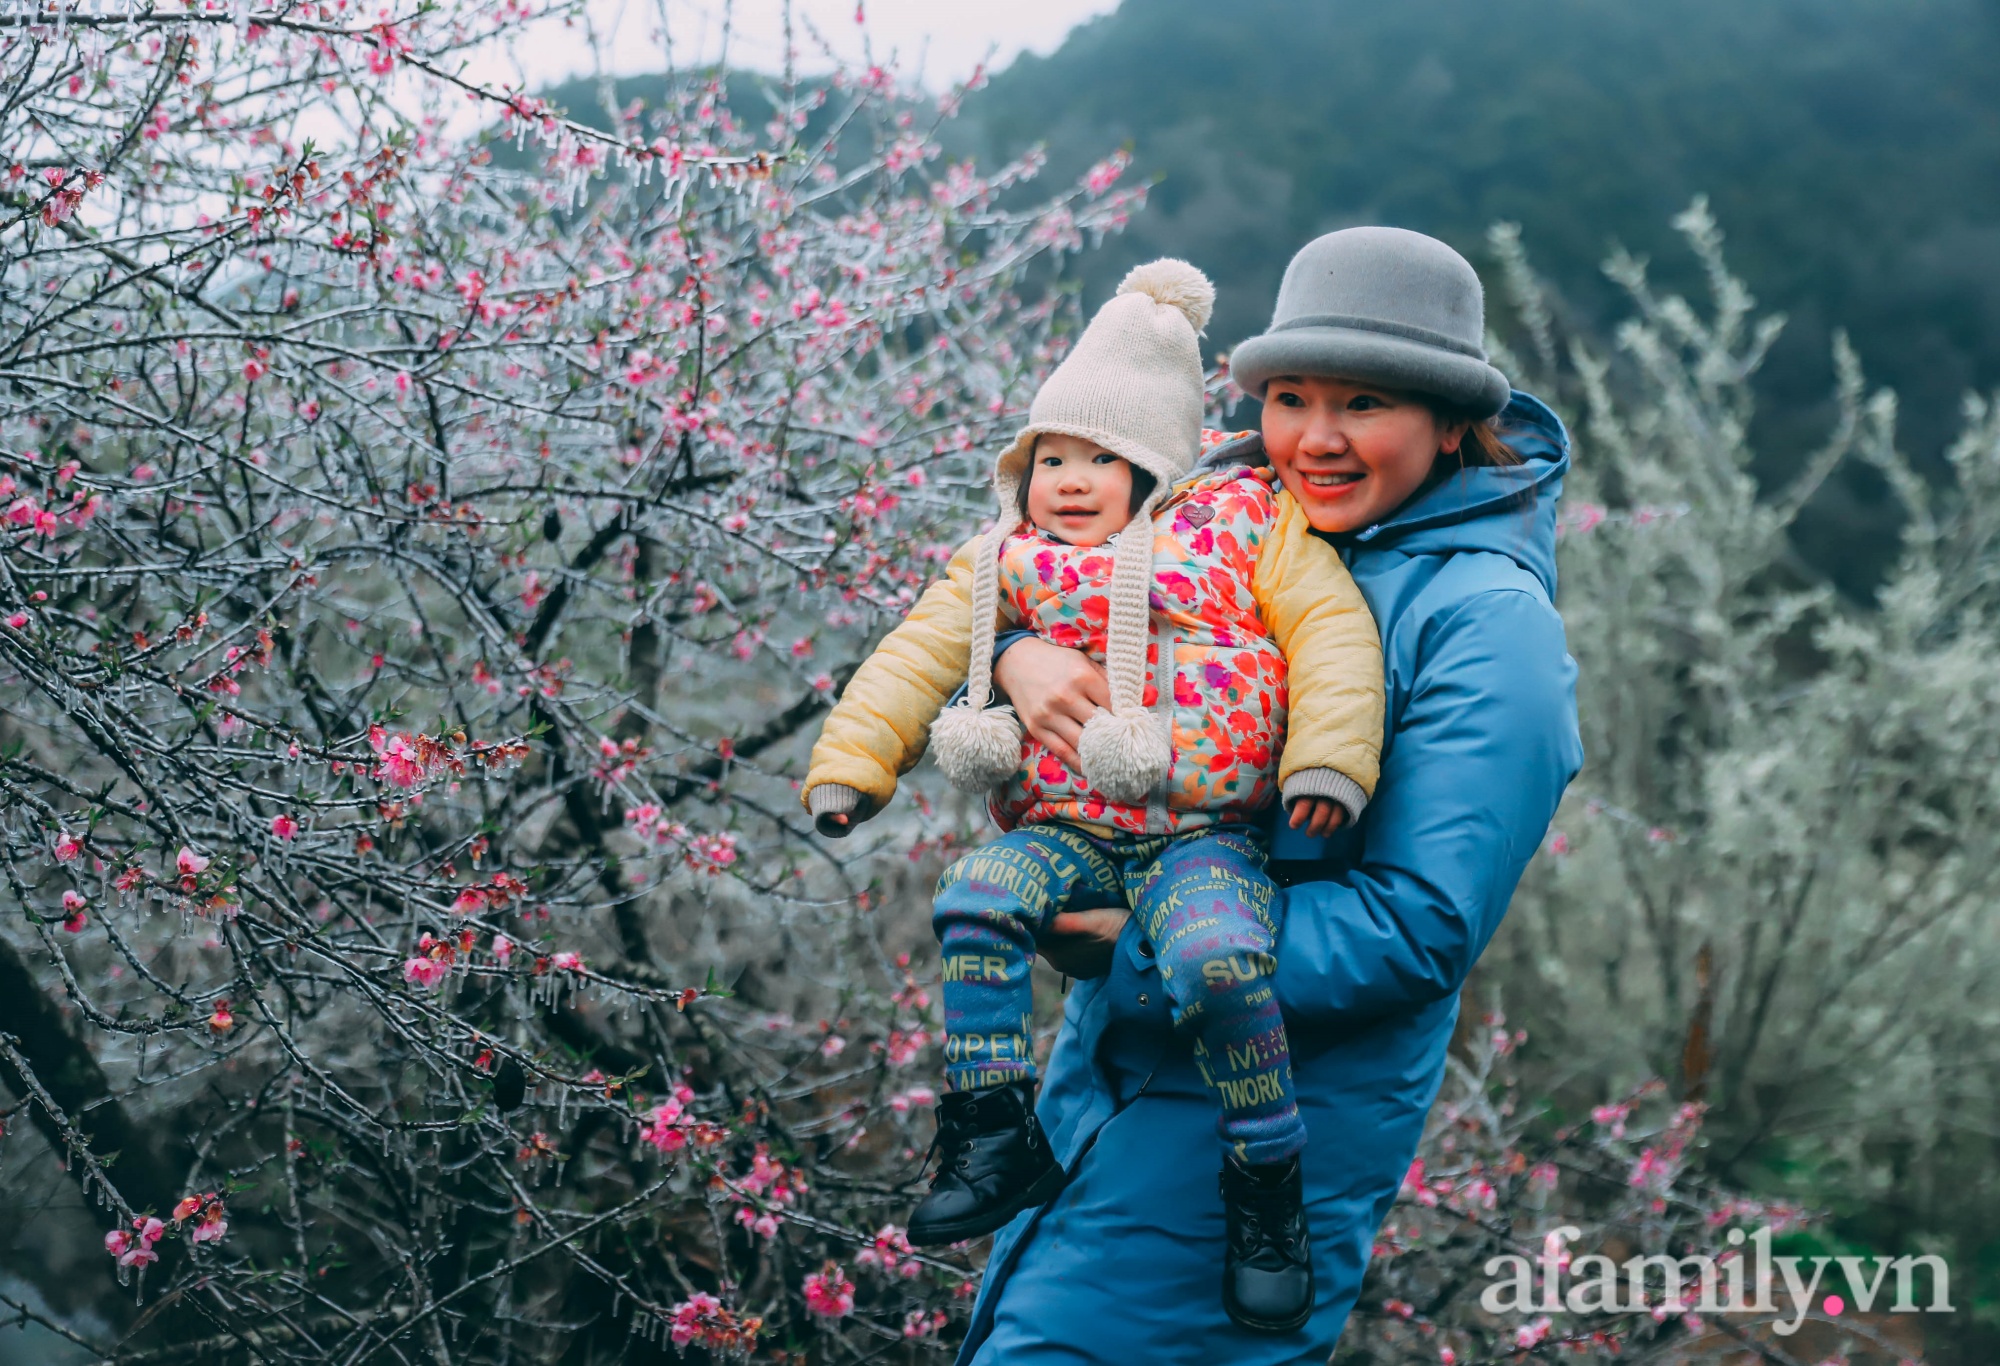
(428, 523)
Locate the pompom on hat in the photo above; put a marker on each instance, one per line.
(1133, 385)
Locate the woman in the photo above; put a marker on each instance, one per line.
(1376, 392)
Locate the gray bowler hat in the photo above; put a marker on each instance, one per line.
(1385, 306)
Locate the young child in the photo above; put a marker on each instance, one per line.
(1243, 667)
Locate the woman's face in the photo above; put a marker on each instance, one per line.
(1350, 453)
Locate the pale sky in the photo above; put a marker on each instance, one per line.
(943, 40)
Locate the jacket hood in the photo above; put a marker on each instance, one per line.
(1507, 510)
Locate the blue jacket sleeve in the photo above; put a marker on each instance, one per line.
(1001, 644)
(1476, 761)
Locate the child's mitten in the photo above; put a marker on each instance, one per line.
(829, 800)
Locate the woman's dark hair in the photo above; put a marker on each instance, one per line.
(1482, 445)
(1480, 448)
(1143, 484)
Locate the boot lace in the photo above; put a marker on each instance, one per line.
(1266, 1219)
(954, 1134)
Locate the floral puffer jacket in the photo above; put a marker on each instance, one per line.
(1276, 681)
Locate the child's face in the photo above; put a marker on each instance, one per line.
(1350, 454)
(1078, 490)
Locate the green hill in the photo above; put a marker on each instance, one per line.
(1851, 149)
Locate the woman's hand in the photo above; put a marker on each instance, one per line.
(1080, 943)
(1054, 690)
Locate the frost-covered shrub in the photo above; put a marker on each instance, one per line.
(1774, 878)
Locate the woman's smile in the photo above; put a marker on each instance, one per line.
(1330, 483)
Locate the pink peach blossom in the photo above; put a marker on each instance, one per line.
(425, 971)
(1531, 1333)
(402, 762)
(212, 1225)
(829, 1294)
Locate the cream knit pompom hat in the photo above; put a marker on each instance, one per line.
(1133, 385)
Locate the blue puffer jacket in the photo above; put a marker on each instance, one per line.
(1125, 1265)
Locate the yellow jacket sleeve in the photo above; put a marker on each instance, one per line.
(878, 729)
(1317, 616)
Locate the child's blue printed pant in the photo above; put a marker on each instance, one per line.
(1205, 905)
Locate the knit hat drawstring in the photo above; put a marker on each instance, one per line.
(1133, 385)
(977, 745)
(1127, 750)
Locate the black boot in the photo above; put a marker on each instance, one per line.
(1267, 1275)
(993, 1162)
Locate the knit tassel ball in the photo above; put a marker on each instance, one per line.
(977, 747)
(1175, 284)
(1125, 755)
